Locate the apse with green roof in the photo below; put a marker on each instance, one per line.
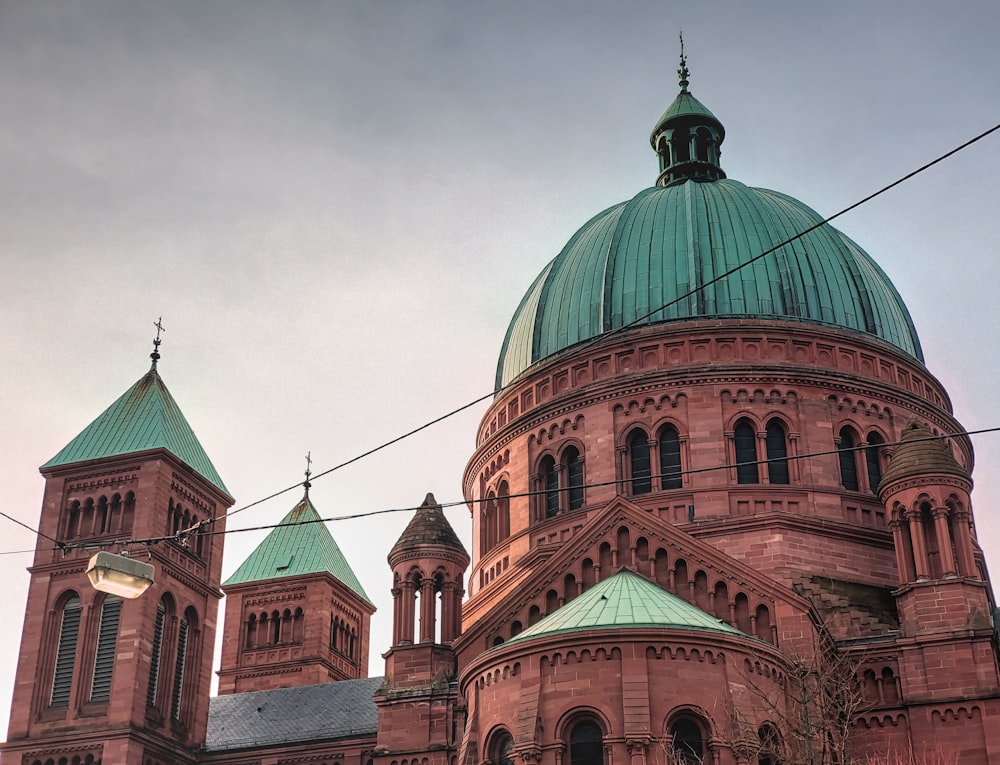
(687, 248)
(625, 601)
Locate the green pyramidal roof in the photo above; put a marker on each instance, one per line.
(300, 545)
(145, 417)
(625, 601)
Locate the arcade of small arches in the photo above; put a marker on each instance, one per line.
(180, 518)
(427, 608)
(724, 599)
(98, 516)
(933, 539)
(86, 759)
(880, 686)
(273, 628)
(655, 460)
(688, 739)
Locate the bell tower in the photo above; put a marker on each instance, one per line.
(942, 588)
(421, 686)
(101, 678)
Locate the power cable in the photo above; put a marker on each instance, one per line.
(183, 534)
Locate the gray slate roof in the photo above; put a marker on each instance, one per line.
(288, 715)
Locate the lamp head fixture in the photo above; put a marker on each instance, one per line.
(119, 574)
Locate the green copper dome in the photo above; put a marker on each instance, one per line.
(695, 225)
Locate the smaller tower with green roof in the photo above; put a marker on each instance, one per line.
(296, 614)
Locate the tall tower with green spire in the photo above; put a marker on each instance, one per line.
(98, 677)
(296, 614)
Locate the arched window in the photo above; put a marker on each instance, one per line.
(770, 745)
(503, 510)
(670, 458)
(586, 744)
(550, 478)
(687, 741)
(69, 630)
(107, 641)
(184, 629)
(574, 476)
(639, 466)
(872, 461)
(777, 452)
(501, 748)
(156, 653)
(745, 443)
(848, 459)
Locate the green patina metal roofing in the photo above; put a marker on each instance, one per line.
(686, 106)
(146, 417)
(625, 601)
(301, 544)
(637, 256)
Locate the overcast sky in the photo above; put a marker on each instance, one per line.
(337, 206)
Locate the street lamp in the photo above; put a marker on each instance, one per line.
(119, 574)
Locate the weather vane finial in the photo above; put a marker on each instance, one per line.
(309, 463)
(683, 73)
(155, 355)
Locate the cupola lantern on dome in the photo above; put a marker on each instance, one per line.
(687, 137)
(676, 252)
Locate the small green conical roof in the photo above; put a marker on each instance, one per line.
(146, 417)
(300, 544)
(625, 601)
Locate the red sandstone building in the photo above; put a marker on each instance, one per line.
(719, 518)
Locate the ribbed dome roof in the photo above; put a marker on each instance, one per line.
(920, 453)
(695, 225)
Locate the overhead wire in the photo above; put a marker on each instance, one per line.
(183, 534)
(603, 336)
(586, 344)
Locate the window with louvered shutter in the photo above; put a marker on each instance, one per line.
(777, 453)
(638, 449)
(69, 629)
(670, 459)
(107, 639)
(155, 655)
(182, 639)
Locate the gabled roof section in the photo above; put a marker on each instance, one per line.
(344, 709)
(625, 601)
(301, 544)
(146, 417)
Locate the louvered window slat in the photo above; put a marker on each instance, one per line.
(69, 629)
(107, 639)
(155, 654)
(175, 702)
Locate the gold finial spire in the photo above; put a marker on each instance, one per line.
(155, 355)
(683, 73)
(309, 462)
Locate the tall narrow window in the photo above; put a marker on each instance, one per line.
(745, 443)
(670, 458)
(69, 630)
(687, 741)
(574, 476)
(182, 645)
(503, 510)
(156, 654)
(638, 455)
(550, 475)
(872, 461)
(848, 460)
(586, 746)
(777, 453)
(107, 640)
